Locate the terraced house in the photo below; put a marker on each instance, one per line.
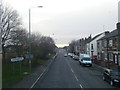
(91, 46)
(108, 47)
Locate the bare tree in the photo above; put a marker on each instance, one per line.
(19, 38)
(71, 46)
(41, 46)
(9, 20)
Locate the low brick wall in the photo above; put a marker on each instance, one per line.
(104, 63)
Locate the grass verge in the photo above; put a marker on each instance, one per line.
(12, 73)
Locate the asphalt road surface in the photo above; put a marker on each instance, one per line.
(65, 72)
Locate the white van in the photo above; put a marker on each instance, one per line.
(85, 60)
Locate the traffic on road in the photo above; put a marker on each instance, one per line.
(65, 72)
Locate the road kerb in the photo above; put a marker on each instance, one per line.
(41, 74)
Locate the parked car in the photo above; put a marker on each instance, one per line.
(70, 54)
(76, 57)
(85, 60)
(65, 55)
(111, 76)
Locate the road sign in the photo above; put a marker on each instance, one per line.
(29, 56)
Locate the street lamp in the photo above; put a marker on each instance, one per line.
(29, 36)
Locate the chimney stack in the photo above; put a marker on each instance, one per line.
(118, 25)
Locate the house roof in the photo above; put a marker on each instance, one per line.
(111, 34)
(94, 38)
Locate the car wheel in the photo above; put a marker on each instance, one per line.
(103, 78)
(111, 83)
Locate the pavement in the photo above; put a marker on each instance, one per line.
(100, 68)
(31, 80)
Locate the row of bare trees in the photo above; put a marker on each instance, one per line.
(15, 38)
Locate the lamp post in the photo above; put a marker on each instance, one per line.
(29, 36)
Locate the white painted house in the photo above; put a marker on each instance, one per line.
(92, 45)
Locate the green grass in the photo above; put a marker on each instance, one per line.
(41, 61)
(50, 56)
(11, 74)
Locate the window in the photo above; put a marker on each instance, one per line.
(115, 59)
(105, 56)
(92, 46)
(111, 56)
(98, 45)
(105, 43)
(110, 43)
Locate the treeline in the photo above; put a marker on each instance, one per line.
(16, 41)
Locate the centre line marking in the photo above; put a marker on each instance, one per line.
(76, 77)
(72, 70)
(74, 74)
(81, 86)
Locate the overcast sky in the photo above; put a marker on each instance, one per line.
(66, 20)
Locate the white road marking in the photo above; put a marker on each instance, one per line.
(37, 79)
(76, 77)
(81, 86)
(74, 74)
(40, 75)
(72, 70)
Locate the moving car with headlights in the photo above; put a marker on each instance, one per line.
(85, 60)
(111, 76)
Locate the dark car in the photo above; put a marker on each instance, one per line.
(113, 77)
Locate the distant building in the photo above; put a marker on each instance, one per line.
(81, 46)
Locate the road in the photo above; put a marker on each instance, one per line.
(65, 72)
